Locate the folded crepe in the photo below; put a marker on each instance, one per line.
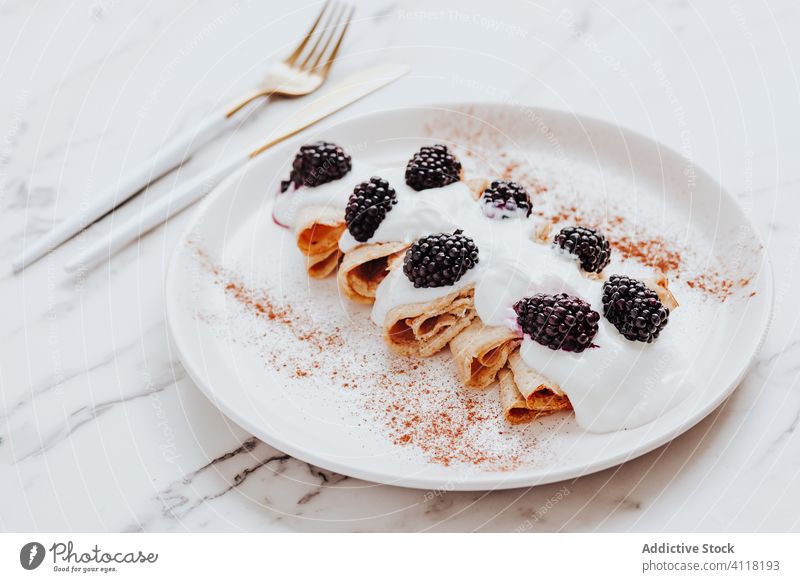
(526, 395)
(364, 267)
(318, 229)
(660, 284)
(422, 329)
(481, 351)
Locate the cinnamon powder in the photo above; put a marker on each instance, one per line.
(713, 283)
(652, 252)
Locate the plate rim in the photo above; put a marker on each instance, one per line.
(487, 481)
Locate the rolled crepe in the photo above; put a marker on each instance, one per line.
(481, 351)
(364, 267)
(660, 284)
(525, 395)
(422, 329)
(321, 265)
(318, 230)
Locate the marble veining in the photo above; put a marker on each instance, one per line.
(101, 429)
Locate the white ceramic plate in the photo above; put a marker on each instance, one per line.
(296, 365)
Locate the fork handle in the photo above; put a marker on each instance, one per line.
(246, 100)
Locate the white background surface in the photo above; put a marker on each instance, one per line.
(99, 427)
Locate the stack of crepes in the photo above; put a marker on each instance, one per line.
(483, 354)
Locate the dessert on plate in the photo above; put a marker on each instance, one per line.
(449, 260)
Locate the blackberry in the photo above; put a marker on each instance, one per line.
(633, 308)
(560, 322)
(439, 260)
(367, 207)
(432, 167)
(505, 200)
(590, 246)
(317, 163)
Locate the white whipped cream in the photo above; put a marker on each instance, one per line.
(617, 385)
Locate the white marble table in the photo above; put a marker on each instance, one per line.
(99, 427)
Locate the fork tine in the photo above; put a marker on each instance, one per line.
(330, 26)
(293, 57)
(327, 67)
(324, 50)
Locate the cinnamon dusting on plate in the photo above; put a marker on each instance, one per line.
(420, 406)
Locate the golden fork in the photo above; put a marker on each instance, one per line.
(300, 75)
